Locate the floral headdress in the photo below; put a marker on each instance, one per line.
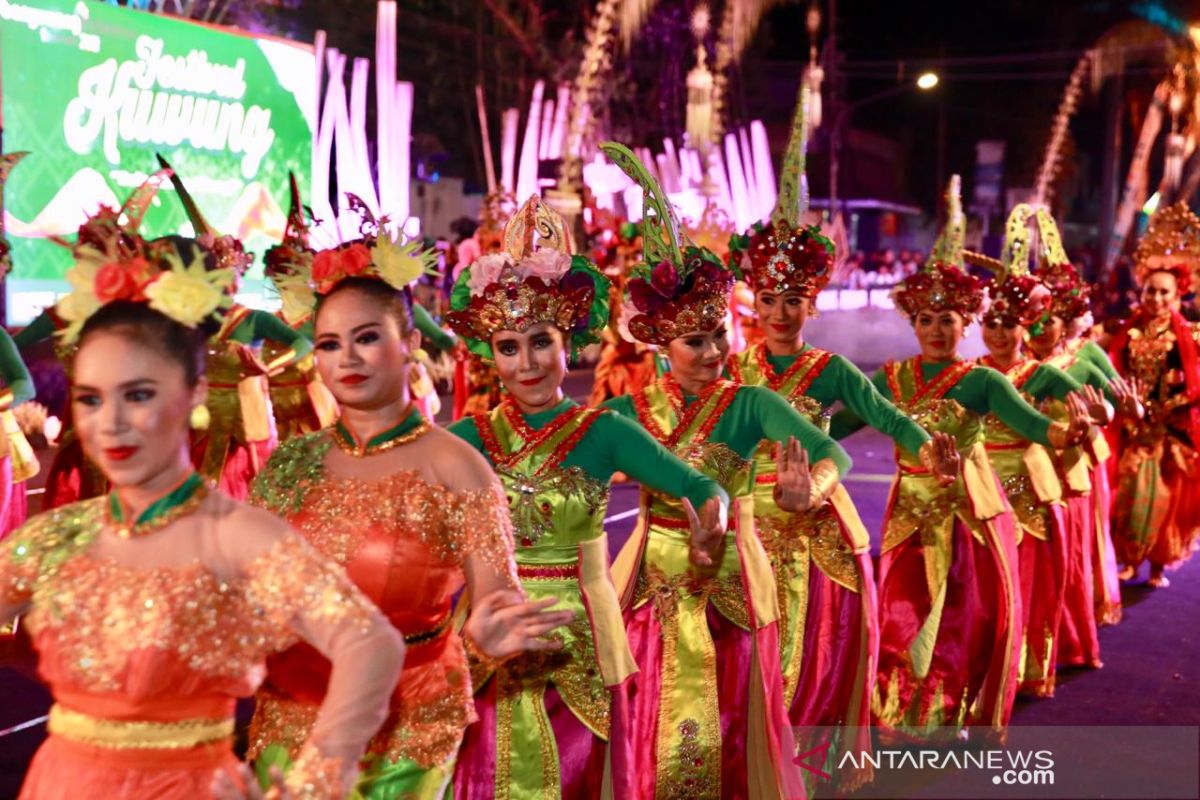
(942, 284)
(1069, 293)
(229, 251)
(784, 254)
(7, 162)
(289, 263)
(113, 262)
(1014, 296)
(526, 284)
(675, 289)
(376, 254)
(1171, 244)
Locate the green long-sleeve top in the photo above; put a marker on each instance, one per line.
(13, 371)
(615, 444)
(841, 381)
(1094, 354)
(1050, 381)
(261, 325)
(442, 339)
(757, 413)
(982, 390)
(41, 329)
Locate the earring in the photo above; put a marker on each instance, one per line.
(200, 418)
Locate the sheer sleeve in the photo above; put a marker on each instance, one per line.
(482, 517)
(18, 570)
(308, 597)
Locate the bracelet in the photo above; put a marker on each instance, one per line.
(314, 776)
(1059, 435)
(823, 481)
(481, 665)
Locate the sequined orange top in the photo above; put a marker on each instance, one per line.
(403, 541)
(158, 643)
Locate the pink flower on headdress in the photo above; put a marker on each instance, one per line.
(486, 271)
(549, 265)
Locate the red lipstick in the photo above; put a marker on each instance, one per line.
(352, 380)
(120, 453)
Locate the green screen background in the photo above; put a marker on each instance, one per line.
(40, 69)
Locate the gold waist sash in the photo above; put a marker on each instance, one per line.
(122, 734)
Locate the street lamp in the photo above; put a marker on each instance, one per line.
(925, 82)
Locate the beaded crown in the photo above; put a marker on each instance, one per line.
(784, 254)
(675, 289)
(1171, 244)
(536, 278)
(942, 284)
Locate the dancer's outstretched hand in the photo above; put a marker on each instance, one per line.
(1098, 408)
(708, 531)
(504, 623)
(946, 459)
(793, 480)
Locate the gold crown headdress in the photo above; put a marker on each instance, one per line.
(675, 289)
(942, 284)
(536, 278)
(786, 255)
(1015, 297)
(1171, 244)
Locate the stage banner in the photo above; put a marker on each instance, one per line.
(94, 91)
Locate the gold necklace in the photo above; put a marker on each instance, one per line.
(399, 434)
(181, 501)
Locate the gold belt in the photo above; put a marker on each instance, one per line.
(121, 734)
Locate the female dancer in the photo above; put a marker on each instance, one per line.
(152, 609)
(17, 460)
(1062, 343)
(708, 711)
(1049, 521)
(829, 634)
(412, 512)
(545, 721)
(1156, 515)
(950, 611)
(235, 433)
(300, 401)
(71, 476)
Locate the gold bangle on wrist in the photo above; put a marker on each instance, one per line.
(481, 665)
(823, 480)
(1059, 435)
